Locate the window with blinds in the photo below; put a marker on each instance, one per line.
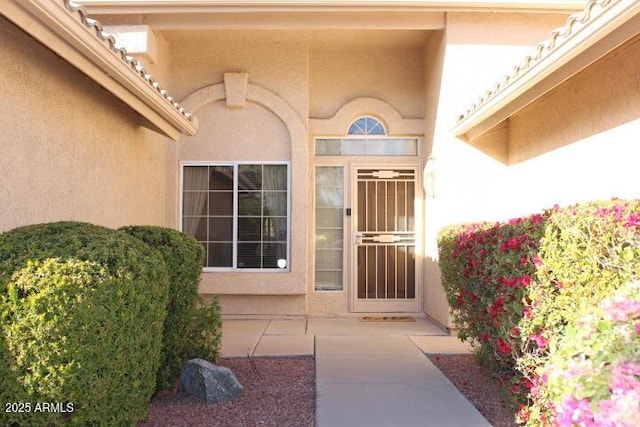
(239, 213)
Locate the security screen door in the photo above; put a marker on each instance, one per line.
(384, 228)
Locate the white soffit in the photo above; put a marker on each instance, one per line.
(173, 6)
(65, 28)
(601, 27)
(308, 14)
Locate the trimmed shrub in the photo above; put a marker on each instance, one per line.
(186, 325)
(486, 270)
(589, 252)
(593, 376)
(206, 331)
(81, 315)
(520, 291)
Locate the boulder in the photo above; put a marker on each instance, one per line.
(209, 382)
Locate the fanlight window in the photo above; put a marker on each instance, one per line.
(366, 126)
(366, 136)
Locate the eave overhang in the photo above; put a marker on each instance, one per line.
(66, 29)
(307, 14)
(186, 6)
(588, 36)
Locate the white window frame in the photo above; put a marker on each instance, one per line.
(235, 165)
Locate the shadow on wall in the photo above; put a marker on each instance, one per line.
(600, 98)
(434, 298)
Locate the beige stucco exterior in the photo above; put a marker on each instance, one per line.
(70, 150)
(265, 87)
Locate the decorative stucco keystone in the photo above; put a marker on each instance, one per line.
(235, 86)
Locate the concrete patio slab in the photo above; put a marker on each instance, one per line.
(285, 345)
(441, 344)
(287, 327)
(350, 326)
(240, 337)
(367, 374)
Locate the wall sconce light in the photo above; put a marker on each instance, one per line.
(429, 177)
(282, 263)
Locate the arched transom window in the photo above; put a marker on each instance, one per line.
(366, 126)
(367, 136)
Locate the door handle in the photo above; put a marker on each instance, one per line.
(386, 238)
(357, 239)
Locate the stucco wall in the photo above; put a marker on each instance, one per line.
(314, 73)
(470, 185)
(272, 59)
(70, 150)
(270, 126)
(580, 142)
(393, 74)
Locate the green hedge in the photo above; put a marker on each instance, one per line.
(189, 331)
(519, 290)
(81, 315)
(486, 270)
(589, 252)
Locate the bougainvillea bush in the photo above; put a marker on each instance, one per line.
(588, 252)
(593, 376)
(517, 289)
(486, 271)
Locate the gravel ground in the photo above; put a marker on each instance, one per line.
(477, 384)
(280, 392)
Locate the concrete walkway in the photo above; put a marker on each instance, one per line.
(373, 374)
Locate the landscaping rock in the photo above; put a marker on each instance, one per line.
(209, 382)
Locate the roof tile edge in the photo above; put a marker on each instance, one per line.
(136, 66)
(556, 38)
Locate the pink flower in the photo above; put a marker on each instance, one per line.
(523, 261)
(525, 280)
(620, 309)
(638, 329)
(633, 221)
(537, 218)
(617, 210)
(513, 243)
(537, 261)
(484, 337)
(540, 340)
(503, 346)
(624, 378)
(572, 412)
(523, 414)
(620, 411)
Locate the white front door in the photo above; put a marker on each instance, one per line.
(385, 272)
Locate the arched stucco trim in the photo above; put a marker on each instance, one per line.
(271, 283)
(255, 94)
(367, 106)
